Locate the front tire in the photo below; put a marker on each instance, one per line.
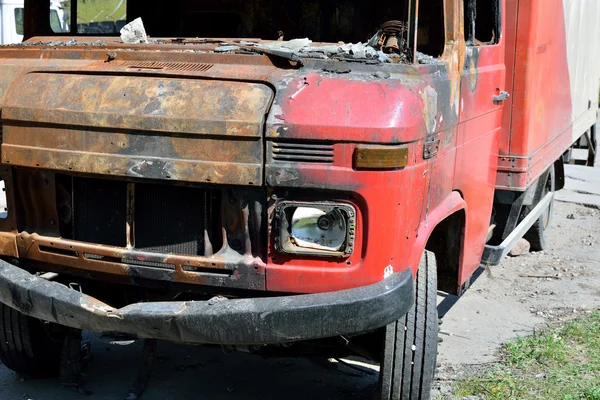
(29, 346)
(410, 344)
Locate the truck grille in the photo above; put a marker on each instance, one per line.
(203, 235)
(161, 219)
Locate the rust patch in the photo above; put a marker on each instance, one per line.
(143, 127)
(164, 157)
(454, 55)
(197, 107)
(430, 109)
(8, 244)
(223, 269)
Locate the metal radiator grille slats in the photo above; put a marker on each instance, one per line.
(99, 211)
(166, 66)
(169, 220)
(164, 219)
(301, 153)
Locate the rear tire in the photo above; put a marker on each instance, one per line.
(29, 346)
(537, 234)
(410, 344)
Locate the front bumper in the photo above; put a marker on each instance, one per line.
(217, 321)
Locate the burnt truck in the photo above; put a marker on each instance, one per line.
(280, 177)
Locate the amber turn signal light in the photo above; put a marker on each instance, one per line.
(380, 157)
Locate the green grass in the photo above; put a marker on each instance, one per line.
(100, 10)
(561, 363)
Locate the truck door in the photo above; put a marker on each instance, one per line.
(11, 23)
(480, 119)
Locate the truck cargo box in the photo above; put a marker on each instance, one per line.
(553, 64)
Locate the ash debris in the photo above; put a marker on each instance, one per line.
(426, 59)
(134, 32)
(304, 48)
(60, 43)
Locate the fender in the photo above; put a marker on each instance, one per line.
(451, 204)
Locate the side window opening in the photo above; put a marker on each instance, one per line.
(55, 22)
(431, 33)
(101, 17)
(19, 21)
(482, 22)
(59, 16)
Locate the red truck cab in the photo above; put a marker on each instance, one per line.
(276, 196)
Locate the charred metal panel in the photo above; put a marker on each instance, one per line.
(170, 129)
(227, 269)
(196, 107)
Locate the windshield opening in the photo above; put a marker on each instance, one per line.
(385, 31)
(330, 21)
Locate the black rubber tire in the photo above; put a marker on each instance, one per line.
(29, 346)
(410, 344)
(537, 234)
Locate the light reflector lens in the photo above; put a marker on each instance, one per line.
(380, 157)
(321, 229)
(313, 228)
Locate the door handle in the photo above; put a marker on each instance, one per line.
(503, 96)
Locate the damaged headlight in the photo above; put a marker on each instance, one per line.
(320, 229)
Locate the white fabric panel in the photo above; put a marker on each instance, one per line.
(582, 22)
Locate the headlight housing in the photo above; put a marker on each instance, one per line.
(319, 229)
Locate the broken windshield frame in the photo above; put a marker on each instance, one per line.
(391, 41)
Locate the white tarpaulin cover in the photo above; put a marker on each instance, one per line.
(582, 21)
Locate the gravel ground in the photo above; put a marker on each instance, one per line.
(531, 291)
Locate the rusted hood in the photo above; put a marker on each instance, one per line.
(158, 127)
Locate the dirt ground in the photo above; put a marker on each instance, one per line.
(521, 294)
(524, 293)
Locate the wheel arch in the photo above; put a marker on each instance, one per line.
(446, 242)
(443, 233)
